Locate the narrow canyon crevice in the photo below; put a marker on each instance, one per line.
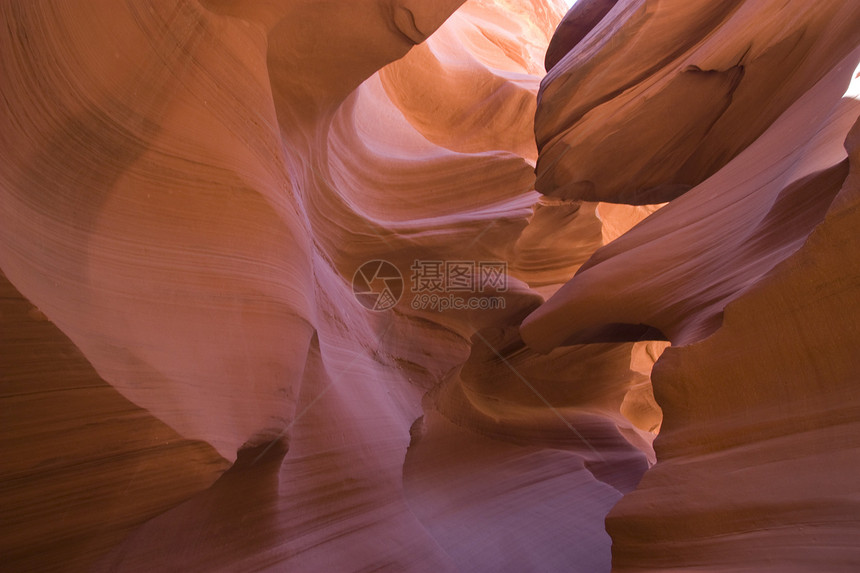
(482, 285)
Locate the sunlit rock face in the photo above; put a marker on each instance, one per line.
(190, 194)
(190, 190)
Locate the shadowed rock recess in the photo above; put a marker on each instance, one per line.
(430, 285)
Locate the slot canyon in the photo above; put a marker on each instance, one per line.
(430, 286)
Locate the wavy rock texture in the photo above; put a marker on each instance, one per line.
(735, 65)
(189, 192)
(81, 465)
(750, 272)
(189, 189)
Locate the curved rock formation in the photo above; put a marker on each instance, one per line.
(82, 466)
(192, 188)
(750, 273)
(674, 90)
(230, 219)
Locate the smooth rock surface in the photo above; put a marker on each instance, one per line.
(191, 190)
(197, 203)
(750, 273)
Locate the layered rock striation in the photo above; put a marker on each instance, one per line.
(744, 115)
(197, 203)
